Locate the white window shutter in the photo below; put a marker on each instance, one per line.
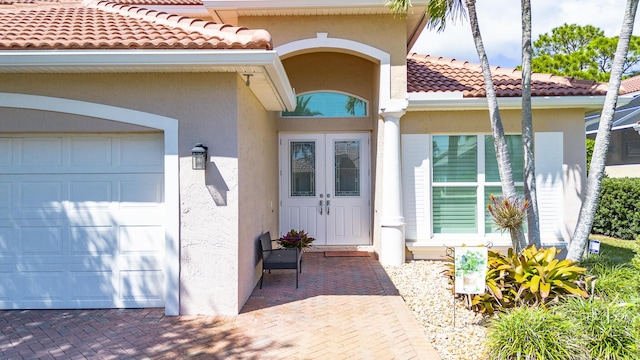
(549, 183)
(416, 187)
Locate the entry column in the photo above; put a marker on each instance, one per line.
(392, 220)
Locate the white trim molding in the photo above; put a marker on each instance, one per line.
(269, 81)
(169, 126)
(323, 42)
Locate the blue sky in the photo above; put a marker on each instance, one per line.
(500, 26)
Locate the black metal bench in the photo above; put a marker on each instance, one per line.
(278, 259)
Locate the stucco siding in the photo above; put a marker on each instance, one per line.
(258, 186)
(334, 72)
(384, 32)
(206, 107)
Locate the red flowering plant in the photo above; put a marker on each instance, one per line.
(294, 239)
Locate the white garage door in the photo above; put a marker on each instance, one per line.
(81, 221)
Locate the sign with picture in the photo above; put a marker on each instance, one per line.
(470, 269)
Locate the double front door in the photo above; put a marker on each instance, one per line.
(325, 187)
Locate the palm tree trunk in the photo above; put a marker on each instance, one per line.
(581, 233)
(530, 193)
(502, 151)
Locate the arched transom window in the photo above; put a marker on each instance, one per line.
(328, 104)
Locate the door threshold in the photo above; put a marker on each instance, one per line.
(337, 248)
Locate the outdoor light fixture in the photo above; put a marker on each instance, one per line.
(199, 157)
(248, 82)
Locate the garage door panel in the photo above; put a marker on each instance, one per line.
(136, 152)
(75, 234)
(140, 240)
(92, 286)
(8, 284)
(89, 152)
(43, 286)
(40, 151)
(7, 241)
(6, 152)
(93, 241)
(40, 196)
(6, 198)
(41, 240)
(143, 192)
(140, 285)
(90, 194)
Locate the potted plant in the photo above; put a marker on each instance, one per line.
(296, 239)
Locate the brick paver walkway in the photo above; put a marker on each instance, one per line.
(345, 308)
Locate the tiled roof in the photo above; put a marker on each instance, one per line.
(430, 74)
(630, 85)
(106, 25)
(159, 2)
(121, 2)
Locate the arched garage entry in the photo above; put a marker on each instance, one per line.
(56, 258)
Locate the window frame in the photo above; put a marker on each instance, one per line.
(480, 185)
(365, 101)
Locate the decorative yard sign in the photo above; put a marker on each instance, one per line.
(470, 269)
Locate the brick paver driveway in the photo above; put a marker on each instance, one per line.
(345, 308)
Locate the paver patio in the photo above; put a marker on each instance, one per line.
(345, 308)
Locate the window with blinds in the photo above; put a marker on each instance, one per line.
(465, 172)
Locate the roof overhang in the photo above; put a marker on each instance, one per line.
(268, 81)
(228, 11)
(455, 101)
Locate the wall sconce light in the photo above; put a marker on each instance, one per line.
(199, 157)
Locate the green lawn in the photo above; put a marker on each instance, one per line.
(616, 250)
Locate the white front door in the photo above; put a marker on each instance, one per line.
(324, 187)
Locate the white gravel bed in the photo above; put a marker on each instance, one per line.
(428, 294)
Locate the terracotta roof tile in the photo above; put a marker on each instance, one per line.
(107, 25)
(159, 2)
(123, 2)
(430, 74)
(630, 85)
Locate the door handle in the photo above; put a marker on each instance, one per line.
(328, 209)
(320, 207)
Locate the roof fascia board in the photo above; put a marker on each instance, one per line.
(285, 4)
(537, 102)
(138, 58)
(240, 61)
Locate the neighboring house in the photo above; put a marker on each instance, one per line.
(623, 156)
(101, 104)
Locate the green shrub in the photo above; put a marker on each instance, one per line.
(611, 327)
(636, 258)
(616, 281)
(590, 144)
(618, 212)
(535, 333)
(534, 277)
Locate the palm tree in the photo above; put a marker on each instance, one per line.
(302, 108)
(439, 11)
(530, 193)
(596, 170)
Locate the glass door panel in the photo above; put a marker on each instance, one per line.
(324, 187)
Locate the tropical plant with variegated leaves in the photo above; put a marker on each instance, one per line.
(535, 277)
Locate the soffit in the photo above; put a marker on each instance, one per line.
(229, 11)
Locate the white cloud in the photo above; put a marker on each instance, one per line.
(500, 26)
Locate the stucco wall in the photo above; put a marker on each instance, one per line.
(258, 186)
(570, 122)
(335, 72)
(206, 107)
(384, 32)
